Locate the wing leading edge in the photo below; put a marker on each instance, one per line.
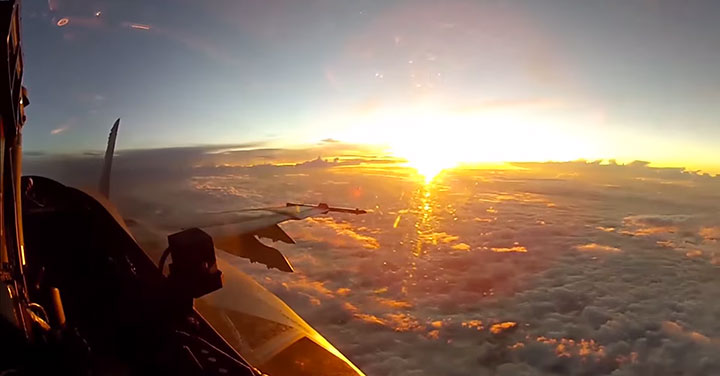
(238, 232)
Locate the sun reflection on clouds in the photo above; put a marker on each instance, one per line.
(515, 249)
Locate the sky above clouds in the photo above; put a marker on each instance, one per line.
(542, 269)
(476, 80)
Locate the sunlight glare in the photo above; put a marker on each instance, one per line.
(433, 138)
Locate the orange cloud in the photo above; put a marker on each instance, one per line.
(594, 247)
(393, 303)
(402, 322)
(606, 229)
(304, 285)
(502, 327)
(370, 319)
(350, 307)
(647, 231)
(399, 322)
(343, 291)
(343, 230)
(710, 233)
(715, 260)
(566, 348)
(515, 346)
(675, 329)
(474, 324)
(647, 225)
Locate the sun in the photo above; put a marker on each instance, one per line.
(429, 171)
(433, 137)
(428, 163)
(432, 142)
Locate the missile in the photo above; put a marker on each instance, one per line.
(328, 208)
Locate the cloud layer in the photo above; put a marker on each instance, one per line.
(558, 268)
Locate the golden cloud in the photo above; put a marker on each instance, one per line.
(461, 247)
(343, 231)
(439, 237)
(517, 249)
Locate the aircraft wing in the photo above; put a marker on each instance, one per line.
(253, 320)
(238, 232)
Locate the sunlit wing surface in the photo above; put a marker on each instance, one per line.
(266, 331)
(238, 232)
